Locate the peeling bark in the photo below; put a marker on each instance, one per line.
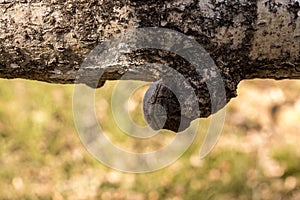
(48, 40)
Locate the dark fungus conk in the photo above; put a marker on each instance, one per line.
(162, 109)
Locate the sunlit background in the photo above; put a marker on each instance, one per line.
(41, 156)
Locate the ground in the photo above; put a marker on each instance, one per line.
(41, 156)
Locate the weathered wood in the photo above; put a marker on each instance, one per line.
(48, 40)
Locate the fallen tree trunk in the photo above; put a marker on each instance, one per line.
(48, 41)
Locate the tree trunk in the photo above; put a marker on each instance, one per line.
(48, 40)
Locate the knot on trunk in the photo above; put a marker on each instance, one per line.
(173, 103)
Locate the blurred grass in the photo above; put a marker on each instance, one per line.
(41, 156)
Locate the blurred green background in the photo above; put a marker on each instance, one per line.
(41, 156)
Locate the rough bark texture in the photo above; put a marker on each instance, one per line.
(48, 40)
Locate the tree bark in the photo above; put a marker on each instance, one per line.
(48, 40)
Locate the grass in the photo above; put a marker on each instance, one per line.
(42, 157)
